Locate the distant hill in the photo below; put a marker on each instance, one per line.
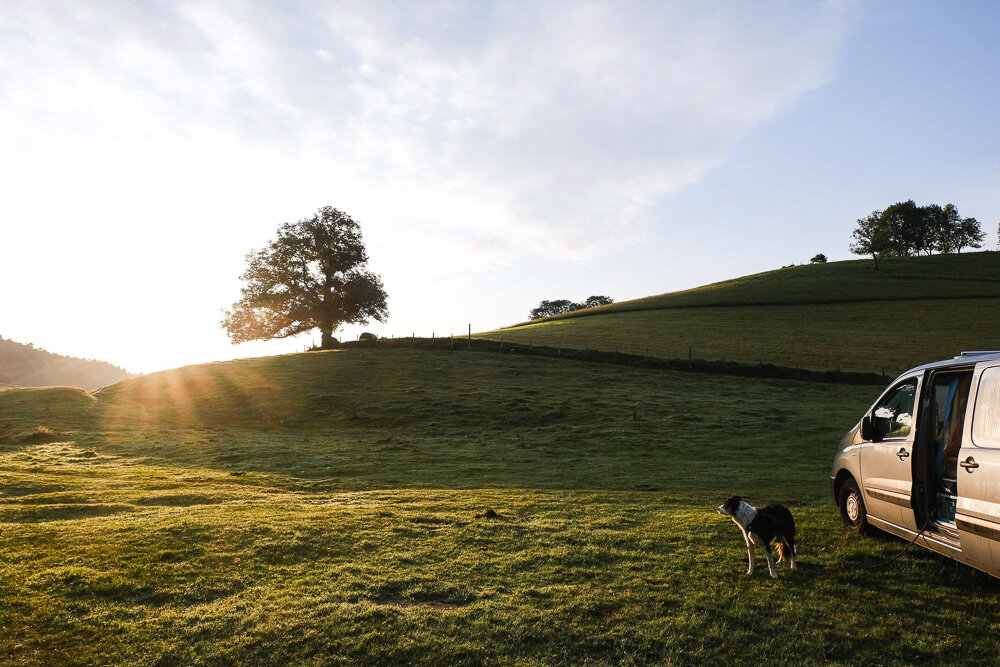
(822, 316)
(24, 365)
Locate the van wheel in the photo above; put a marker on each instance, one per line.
(852, 508)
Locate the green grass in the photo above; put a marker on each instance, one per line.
(327, 508)
(843, 314)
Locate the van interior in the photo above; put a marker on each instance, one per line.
(936, 447)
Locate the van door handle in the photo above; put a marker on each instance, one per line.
(969, 464)
(902, 453)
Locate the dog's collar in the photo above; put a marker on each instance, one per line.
(745, 514)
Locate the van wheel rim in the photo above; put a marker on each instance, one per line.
(853, 510)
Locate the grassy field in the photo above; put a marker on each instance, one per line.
(842, 314)
(329, 508)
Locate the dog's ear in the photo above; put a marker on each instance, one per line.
(733, 503)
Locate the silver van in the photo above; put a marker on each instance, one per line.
(926, 455)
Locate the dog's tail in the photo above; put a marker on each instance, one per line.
(786, 549)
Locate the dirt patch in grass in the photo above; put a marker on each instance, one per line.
(39, 435)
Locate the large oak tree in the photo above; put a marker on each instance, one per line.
(312, 276)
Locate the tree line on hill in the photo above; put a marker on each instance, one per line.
(24, 365)
(559, 306)
(905, 229)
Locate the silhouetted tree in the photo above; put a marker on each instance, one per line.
(872, 236)
(549, 308)
(559, 306)
(818, 258)
(950, 231)
(905, 229)
(911, 233)
(312, 276)
(595, 301)
(971, 236)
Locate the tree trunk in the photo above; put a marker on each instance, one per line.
(327, 339)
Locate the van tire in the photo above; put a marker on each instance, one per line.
(852, 508)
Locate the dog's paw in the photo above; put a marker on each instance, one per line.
(750, 572)
(774, 575)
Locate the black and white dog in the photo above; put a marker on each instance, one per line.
(760, 527)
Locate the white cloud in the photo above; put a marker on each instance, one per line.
(162, 141)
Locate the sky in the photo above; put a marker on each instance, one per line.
(494, 153)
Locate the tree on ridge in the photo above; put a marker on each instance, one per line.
(905, 229)
(559, 306)
(313, 275)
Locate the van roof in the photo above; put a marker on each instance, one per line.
(966, 357)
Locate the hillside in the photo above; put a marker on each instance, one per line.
(329, 508)
(823, 316)
(24, 365)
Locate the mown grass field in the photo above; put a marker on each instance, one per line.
(328, 508)
(842, 314)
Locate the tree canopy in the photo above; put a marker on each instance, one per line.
(559, 306)
(313, 275)
(905, 229)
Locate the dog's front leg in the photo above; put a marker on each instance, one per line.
(750, 555)
(770, 561)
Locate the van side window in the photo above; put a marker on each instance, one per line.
(893, 416)
(986, 415)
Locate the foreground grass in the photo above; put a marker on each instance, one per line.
(328, 508)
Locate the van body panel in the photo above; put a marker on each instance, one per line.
(977, 513)
(848, 459)
(887, 480)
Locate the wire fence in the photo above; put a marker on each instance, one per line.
(685, 359)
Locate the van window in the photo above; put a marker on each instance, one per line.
(986, 416)
(893, 415)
